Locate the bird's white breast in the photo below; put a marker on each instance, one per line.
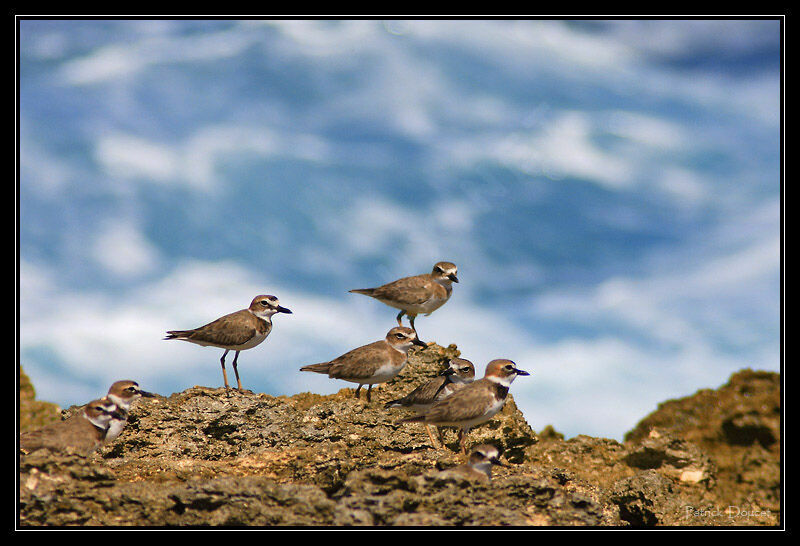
(114, 429)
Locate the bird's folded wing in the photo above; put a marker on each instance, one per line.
(427, 392)
(463, 405)
(227, 330)
(410, 290)
(360, 362)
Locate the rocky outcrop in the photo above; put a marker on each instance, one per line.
(738, 427)
(203, 457)
(34, 414)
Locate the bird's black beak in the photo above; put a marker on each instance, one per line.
(497, 461)
(522, 372)
(452, 277)
(116, 415)
(284, 310)
(147, 394)
(416, 341)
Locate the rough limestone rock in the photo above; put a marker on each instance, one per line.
(34, 414)
(206, 457)
(738, 426)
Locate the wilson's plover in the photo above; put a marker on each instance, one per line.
(237, 331)
(123, 393)
(474, 404)
(478, 465)
(459, 372)
(83, 433)
(422, 294)
(371, 364)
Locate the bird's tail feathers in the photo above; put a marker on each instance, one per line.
(178, 334)
(322, 367)
(365, 291)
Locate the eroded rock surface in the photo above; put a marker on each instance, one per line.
(33, 414)
(201, 457)
(738, 427)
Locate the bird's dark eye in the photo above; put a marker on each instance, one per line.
(465, 369)
(131, 389)
(264, 303)
(509, 367)
(399, 336)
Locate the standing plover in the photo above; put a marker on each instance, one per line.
(374, 363)
(83, 433)
(474, 404)
(422, 294)
(123, 393)
(478, 465)
(459, 372)
(235, 332)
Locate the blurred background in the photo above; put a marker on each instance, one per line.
(609, 191)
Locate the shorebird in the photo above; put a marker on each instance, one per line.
(422, 294)
(459, 372)
(123, 393)
(478, 465)
(371, 364)
(237, 331)
(474, 404)
(84, 433)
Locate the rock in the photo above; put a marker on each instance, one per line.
(33, 414)
(743, 411)
(206, 457)
(550, 433)
(738, 428)
(677, 457)
(644, 499)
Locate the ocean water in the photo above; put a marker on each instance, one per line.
(610, 191)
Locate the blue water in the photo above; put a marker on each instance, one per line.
(608, 189)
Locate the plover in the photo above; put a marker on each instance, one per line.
(478, 465)
(474, 404)
(371, 364)
(237, 331)
(459, 372)
(422, 294)
(83, 433)
(123, 393)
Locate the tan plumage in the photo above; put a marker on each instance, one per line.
(423, 396)
(407, 292)
(83, 433)
(459, 373)
(236, 331)
(478, 466)
(123, 393)
(370, 364)
(228, 332)
(421, 294)
(474, 404)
